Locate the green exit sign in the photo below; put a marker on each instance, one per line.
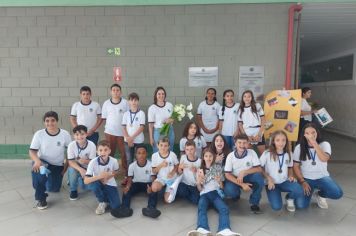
(113, 51)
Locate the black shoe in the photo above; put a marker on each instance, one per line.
(256, 209)
(41, 205)
(121, 212)
(73, 195)
(151, 212)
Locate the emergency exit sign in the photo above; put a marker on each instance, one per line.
(113, 51)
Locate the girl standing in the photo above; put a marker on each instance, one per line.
(191, 132)
(228, 118)
(251, 120)
(311, 158)
(159, 114)
(278, 171)
(208, 116)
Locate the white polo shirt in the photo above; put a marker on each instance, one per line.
(229, 119)
(306, 107)
(210, 116)
(189, 177)
(250, 120)
(157, 159)
(75, 152)
(113, 114)
(235, 164)
(310, 171)
(132, 121)
(86, 114)
(140, 174)
(97, 166)
(157, 114)
(51, 148)
(272, 166)
(200, 144)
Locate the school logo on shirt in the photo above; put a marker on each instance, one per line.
(248, 163)
(198, 144)
(136, 119)
(91, 109)
(235, 111)
(147, 172)
(120, 111)
(213, 108)
(170, 164)
(87, 155)
(58, 143)
(287, 162)
(168, 110)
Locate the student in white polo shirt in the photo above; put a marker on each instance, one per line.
(243, 171)
(133, 124)
(139, 180)
(251, 120)
(278, 170)
(208, 116)
(80, 152)
(191, 132)
(100, 177)
(87, 112)
(311, 158)
(112, 113)
(228, 118)
(159, 114)
(306, 113)
(47, 151)
(188, 166)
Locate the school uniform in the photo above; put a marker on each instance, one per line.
(210, 196)
(278, 171)
(157, 115)
(132, 121)
(200, 144)
(162, 175)
(141, 179)
(104, 192)
(87, 115)
(315, 173)
(51, 149)
(75, 153)
(187, 188)
(306, 118)
(251, 121)
(229, 125)
(235, 164)
(210, 117)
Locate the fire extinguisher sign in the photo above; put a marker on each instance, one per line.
(117, 76)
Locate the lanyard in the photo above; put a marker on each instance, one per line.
(132, 119)
(280, 162)
(80, 149)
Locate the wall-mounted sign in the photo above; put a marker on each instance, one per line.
(252, 78)
(203, 76)
(113, 51)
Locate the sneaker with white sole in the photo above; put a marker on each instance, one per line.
(41, 205)
(227, 232)
(290, 205)
(101, 208)
(322, 203)
(199, 232)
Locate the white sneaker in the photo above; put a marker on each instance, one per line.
(290, 205)
(199, 232)
(101, 208)
(227, 232)
(322, 203)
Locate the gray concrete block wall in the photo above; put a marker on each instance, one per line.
(48, 53)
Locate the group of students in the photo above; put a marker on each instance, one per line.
(216, 161)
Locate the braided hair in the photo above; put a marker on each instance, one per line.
(224, 102)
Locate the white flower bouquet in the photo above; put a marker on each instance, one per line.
(179, 112)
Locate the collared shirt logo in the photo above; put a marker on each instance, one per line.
(235, 111)
(121, 111)
(168, 110)
(136, 119)
(147, 172)
(91, 109)
(58, 143)
(248, 163)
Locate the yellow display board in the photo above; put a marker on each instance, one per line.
(282, 112)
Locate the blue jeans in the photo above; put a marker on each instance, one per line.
(94, 138)
(157, 136)
(130, 152)
(256, 179)
(75, 179)
(42, 183)
(327, 187)
(139, 188)
(106, 193)
(213, 198)
(293, 189)
(188, 192)
(230, 141)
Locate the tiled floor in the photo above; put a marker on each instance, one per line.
(65, 217)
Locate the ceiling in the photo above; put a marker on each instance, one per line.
(324, 23)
